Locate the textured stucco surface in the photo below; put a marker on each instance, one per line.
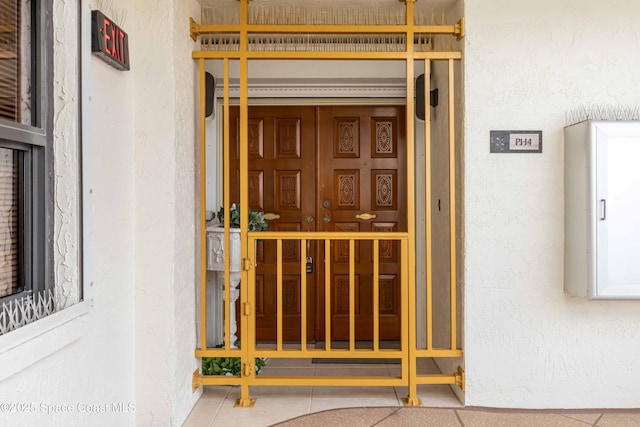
(187, 207)
(527, 343)
(96, 369)
(165, 216)
(136, 344)
(66, 156)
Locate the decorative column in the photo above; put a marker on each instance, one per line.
(215, 262)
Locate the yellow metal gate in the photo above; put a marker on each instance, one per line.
(297, 33)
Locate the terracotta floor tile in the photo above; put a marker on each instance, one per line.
(473, 418)
(424, 417)
(354, 417)
(620, 420)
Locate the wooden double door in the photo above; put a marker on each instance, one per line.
(318, 167)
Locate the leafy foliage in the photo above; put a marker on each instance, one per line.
(227, 365)
(256, 219)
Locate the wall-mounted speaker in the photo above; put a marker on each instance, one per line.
(420, 104)
(210, 92)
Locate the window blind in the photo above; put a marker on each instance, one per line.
(10, 231)
(9, 59)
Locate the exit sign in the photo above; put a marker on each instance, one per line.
(109, 41)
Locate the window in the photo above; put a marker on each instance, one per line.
(25, 161)
(11, 222)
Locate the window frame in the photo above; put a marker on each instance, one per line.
(40, 339)
(35, 140)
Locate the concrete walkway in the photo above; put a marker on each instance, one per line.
(374, 406)
(468, 417)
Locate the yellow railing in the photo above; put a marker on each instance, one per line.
(405, 351)
(408, 351)
(328, 238)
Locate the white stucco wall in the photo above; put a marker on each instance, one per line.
(134, 345)
(96, 368)
(165, 186)
(527, 343)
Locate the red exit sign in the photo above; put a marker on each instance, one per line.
(109, 41)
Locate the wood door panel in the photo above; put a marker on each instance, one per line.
(388, 295)
(287, 190)
(259, 295)
(346, 138)
(256, 190)
(341, 294)
(288, 138)
(256, 139)
(384, 143)
(333, 162)
(290, 248)
(388, 249)
(282, 180)
(384, 190)
(362, 169)
(291, 295)
(346, 189)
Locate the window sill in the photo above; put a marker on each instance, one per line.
(36, 341)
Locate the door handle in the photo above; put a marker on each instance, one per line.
(271, 216)
(326, 219)
(603, 212)
(366, 216)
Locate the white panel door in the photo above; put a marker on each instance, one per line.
(618, 216)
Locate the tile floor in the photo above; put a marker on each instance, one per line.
(369, 406)
(426, 417)
(278, 404)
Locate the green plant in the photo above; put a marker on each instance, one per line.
(227, 365)
(256, 219)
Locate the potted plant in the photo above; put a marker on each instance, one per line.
(231, 365)
(227, 365)
(256, 219)
(216, 249)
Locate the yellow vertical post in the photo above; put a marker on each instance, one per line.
(250, 312)
(303, 296)
(279, 311)
(227, 204)
(407, 356)
(452, 202)
(409, 336)
(427, 201)
(376, 295)
(203, 207)
(352, 295)
(248, 345)
(327, 294)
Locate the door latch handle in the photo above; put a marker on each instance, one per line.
(271, 216)
(366, 216)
